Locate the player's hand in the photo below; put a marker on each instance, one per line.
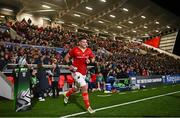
(87, 61)
(72, 68)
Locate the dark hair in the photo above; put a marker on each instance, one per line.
(82, 38)
(21, 51)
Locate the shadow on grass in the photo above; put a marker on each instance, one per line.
(34, 102)
(175, 96)
(74, 99)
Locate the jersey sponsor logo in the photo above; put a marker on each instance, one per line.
(82, 57)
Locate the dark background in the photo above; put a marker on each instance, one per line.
(172, 6)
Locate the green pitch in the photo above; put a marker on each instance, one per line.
(138, 104)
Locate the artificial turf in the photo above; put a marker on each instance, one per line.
(166, 106)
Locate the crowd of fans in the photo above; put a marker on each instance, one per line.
(115, 58)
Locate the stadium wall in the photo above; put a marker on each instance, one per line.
(168, 41)
(6, 88)
(162, 51)
(176, 49)
(39, 21)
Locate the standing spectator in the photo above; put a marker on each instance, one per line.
(43, 81)
(55, 78)
(33, 83)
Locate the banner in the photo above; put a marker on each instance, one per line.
(149, 80)
(22, 89)
(153, 42)
(171, 79)
(42, 48)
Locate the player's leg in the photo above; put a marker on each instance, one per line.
(72, 90)
(68, 94)
(84, 89)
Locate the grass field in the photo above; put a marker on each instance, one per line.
(153, 102)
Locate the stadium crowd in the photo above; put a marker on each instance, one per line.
(115, 58)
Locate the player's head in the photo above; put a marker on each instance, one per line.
(83, 42)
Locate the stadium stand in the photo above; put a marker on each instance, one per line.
(133, 43)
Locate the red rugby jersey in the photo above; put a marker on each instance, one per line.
(79, 58)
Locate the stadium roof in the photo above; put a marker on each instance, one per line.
(123, 18)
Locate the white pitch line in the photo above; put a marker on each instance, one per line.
(144, 89)
(104, 95)
(122, 104)
(122, 93)
(153, 88)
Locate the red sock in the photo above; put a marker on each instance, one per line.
(86, 99)
(72, 90)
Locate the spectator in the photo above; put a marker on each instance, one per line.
(43, 81)
(55, 78)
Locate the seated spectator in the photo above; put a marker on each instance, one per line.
(91, 80)
(93, 84)
(100, 82)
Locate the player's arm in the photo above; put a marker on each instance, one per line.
(91, 59)
(68, 61)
